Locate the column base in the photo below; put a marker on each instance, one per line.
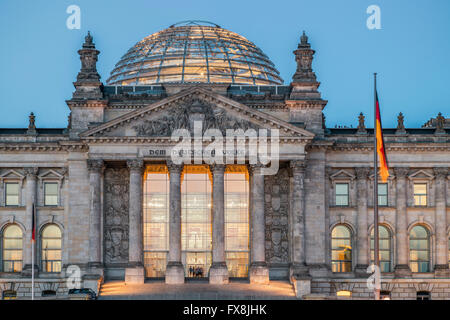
(302, 287)
(319, 270)
(134, 275)
(361, 271)
(218, 273)
(299, 271)
(27, 271)
(259, 273)
(402, 271)
(441, 271)
(174, 273)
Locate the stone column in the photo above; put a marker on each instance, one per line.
(362, 236)
(218, 273)
(134, 273)
(441, 267)
(31, 178)
(95, 233)
(402, 268)
(259, 272)
(174, 270)
(297, 226)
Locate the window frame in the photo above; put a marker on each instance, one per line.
(44, 193)
(2, 247)
(41, 238)
(341, 262)
(429, 255)
(386, 195)
(19, 192)
(371, 248)
(347, 183)
(426, 195)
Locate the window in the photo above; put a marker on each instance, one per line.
(51, 248)
(342, 194)
(420, 194)
(50, 194)
(341, 249)
(385, 295)
(9, 295)
(423, 295)
(12, 249)
(419, 246)
(344, 293)
(237, 245)
(383, 194)
(384, 246)
(156, 220)
(12, 194)
(48, 293)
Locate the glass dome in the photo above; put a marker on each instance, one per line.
(194, 52)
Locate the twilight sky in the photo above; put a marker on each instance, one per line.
(411, 51)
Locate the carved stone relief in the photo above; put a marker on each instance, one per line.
(116, 197)
(276, 190)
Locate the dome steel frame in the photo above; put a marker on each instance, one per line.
(193, 52)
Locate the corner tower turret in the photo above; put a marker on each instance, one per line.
(87, 103)
(305, 103)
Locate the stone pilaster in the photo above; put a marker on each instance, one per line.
(362, 233)
(259, 272)
(218, 273)
(31, 183)
(298, 267)
(174, 269)
(441, 268)
(134, 273)
(402, 268)
(95, 233)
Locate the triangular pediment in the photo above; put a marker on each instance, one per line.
(181, 110)
(342, 175)
(421, 175)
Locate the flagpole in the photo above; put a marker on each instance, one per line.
(375, 191)
(32, 270)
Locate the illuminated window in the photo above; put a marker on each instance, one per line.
(382, 194)
(423, 295)
(420, 194)
(9, 295)
(342, 194)
(385, 295)
(237, 220)
(196, 219)
(341, 249)
(344, 293)
(50, 193)
(419, 246)
(12, 249)
(156, 220)
(51, 244)
(384, 247)
(12, 194)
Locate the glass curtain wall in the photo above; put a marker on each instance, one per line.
(156, 220)
(237, 220)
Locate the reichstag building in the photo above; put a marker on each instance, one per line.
(110, 199)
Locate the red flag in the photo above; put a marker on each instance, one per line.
(384, 170)
(33, 224)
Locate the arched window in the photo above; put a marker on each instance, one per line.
(341, 249)
(423, 295)
(384, 245)
(12, 249)
(419, 249)
(51, 248)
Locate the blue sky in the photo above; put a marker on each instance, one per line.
(411, 52)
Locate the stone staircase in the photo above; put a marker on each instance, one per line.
(197, 290)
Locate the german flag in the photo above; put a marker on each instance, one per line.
(384, 170)
(33, 224)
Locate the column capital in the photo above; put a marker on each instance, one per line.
(135, 164)
(255, 168)
(217, 168)
(95, 165)
(401, 172)
(441, 172)
(362, 172)
(31, 172)
(297, 165)
(173, 167)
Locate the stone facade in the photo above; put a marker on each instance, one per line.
(97, 163)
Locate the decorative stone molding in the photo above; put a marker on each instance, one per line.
(362, 172)
(95, 165)
(441, 172)
(401, 172)
(135, 164)
(31, 172)
(217, 168)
